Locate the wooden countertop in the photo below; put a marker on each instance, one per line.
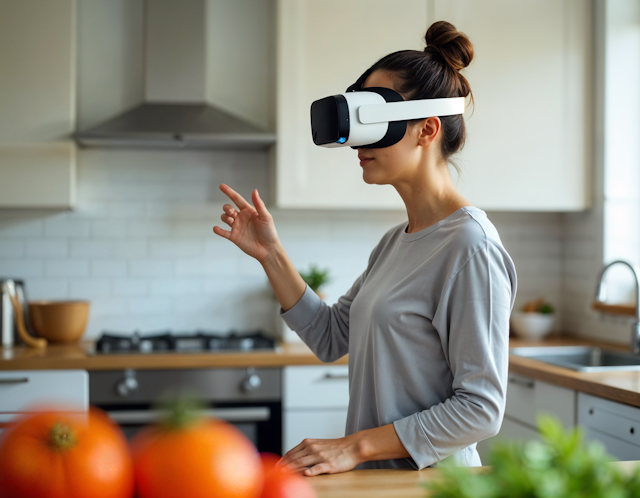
(617, 386)
(386, 483)
(623, 387)
(78, 356)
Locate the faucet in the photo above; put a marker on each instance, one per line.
(601, 295)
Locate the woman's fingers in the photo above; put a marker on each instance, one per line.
(321, 468)
(230, 210)
(227, 219)
(259, 204)
(237, 199)
(223, 233)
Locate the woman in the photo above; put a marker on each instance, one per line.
(426, 324)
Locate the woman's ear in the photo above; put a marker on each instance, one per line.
(428, 130)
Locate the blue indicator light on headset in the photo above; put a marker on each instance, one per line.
(342, 140)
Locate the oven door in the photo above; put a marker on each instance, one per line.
(130, 398)
(260, 422)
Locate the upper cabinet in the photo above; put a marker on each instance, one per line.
(529, 134)
(37, 96)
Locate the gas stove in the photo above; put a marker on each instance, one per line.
(171, 342)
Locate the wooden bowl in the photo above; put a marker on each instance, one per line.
(59, 321)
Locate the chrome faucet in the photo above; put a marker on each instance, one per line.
(601, 295)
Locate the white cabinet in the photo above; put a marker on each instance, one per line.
(614, 425)
(526, 399)
(323, 46)
(25, 390)
(529, 137)
(37, 103)
(314, 404)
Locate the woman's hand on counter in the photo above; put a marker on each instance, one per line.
(332, 456)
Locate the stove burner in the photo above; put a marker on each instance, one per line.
(201, 341)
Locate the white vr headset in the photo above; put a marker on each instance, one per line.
(372, 117)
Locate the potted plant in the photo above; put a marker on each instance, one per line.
(316, 278)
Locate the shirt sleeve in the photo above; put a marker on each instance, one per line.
(473, 315)
(324, 328)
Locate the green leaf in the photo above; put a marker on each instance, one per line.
(561, 465)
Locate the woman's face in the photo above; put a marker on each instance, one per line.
(391, 165)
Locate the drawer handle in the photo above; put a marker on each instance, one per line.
(17, 380)
(524, 383)
(330, 376)
(632, 431)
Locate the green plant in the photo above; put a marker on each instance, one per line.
(315, 277)
(561, 466)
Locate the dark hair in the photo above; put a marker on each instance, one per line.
(433, 74)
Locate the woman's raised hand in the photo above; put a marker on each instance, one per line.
(252, 227)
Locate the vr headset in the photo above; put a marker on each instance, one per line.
(372, 117)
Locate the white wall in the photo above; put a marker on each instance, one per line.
(140, 244)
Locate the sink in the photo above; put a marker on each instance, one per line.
(581, 358)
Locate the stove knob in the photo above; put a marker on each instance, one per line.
(128, 385)
(252, 381)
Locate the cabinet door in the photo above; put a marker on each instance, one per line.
(315, 424)
(37, 103)
(311, 387)
(614, 425)
(23, 390)
(527, 398)
(528, 143)
(528, 136)
(323, 47)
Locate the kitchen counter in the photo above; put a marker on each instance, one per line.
(617, 386)
(78, 356)
(386, 483)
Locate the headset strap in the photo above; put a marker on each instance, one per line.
(410, 109)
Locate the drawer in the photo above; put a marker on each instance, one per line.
(617, 448)
(20, 391)
(315, 424)
(608, 417)
(527, 397)
(316, 387)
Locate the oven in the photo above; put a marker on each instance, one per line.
(249, 398)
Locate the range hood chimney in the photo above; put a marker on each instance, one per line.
(179, 73)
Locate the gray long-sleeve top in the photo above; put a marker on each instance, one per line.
(426, 327)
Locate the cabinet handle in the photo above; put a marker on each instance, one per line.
(521, 382)
(331, 376)
(17, 380)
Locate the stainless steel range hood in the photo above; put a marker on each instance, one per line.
(179, 111)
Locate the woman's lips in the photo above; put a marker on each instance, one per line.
(365, 160)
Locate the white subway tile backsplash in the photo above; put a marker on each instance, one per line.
(89, 288)
(150, 268)
(67, 268)
(126, 287)
(61, 226)
(130, 249)
(109, 229)
(21, 268)
(109, 268)
(20, 227)
(48, 248)
(172, 248)
(91, 248)
(149, 305)
(11, 248)
(47, 288)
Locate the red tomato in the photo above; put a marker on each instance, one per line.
(280, 484)
(58, 455)
(205, 459)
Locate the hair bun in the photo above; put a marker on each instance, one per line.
(453, 45)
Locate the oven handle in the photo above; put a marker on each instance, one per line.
(252, 414)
